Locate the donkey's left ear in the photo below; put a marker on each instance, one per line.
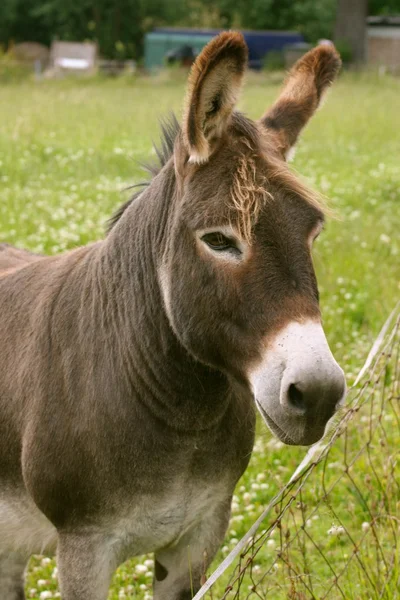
(301, 96)
(213, 89)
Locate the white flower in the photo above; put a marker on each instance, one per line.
(365, 526)
(44, 595)
(271, 543)
(41, 582)
(45, 561)
(235, 507)
(141, 569)
(385, 239)
(336, 530)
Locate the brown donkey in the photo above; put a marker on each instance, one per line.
(130, 369)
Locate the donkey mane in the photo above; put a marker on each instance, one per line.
(170, 129)
(247, 193)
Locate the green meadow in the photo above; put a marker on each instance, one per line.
(68, 151)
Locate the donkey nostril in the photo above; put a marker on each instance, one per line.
(296, 397)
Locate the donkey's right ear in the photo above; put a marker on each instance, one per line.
(213, 89)
(305, 86)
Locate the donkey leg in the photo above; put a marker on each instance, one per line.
(180, 569)
(12, 567)
(85, 566)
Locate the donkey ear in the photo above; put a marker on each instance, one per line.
(301, 96)
(213, 89)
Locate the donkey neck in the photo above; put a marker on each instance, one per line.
(166, 378)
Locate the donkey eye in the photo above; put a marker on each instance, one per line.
(219, 242)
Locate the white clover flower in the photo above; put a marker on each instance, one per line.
(237, 518)
(365, 526)
(44, 595)
(336, 530)
(141, 569)
(385, 239)
(45, 561)
(235, 507)
(271, 543)
(41, 582)
(149, 563)
(246, 498)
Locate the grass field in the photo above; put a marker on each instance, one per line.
(68, 149)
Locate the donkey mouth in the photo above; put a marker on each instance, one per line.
(276, 430)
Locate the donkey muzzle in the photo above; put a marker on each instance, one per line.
(298, 385)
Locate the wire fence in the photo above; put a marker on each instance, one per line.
(334, 530)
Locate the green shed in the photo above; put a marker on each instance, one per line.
(158, 43)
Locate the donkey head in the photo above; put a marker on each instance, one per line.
(237, 277)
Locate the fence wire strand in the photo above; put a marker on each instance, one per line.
(336, 523)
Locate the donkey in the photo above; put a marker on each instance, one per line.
(130, 369)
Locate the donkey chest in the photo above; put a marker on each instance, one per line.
(156, 521)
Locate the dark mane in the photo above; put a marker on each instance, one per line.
(169, 130)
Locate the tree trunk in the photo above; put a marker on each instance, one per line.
(350, 27)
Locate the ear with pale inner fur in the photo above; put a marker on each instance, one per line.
(213, 89)
(301, 96)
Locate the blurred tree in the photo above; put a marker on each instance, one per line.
(119, 25)
(350, 27)
(383, 7)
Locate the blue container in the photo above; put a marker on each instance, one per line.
(164, 39)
